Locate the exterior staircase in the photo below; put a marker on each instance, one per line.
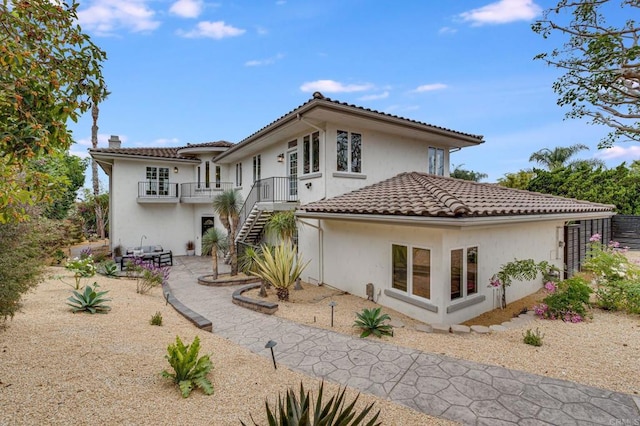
(266, 197)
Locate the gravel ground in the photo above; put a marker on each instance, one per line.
(59, 368)
(602, 352)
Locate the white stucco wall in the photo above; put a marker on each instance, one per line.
(357, 253)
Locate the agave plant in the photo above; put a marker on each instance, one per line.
(189, 370)
(371, 321)
(89, 300)
(295, 411)
(280, 268)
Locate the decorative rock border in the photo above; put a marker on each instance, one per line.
(459, 329)
(256, 305)
(209, 281)
(195, 318)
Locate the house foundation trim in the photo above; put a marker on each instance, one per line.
(410, 300)
(465, 304)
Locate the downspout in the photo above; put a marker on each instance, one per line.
(320, 249)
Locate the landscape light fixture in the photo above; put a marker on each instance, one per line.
(175, 170)
(270, 344)
(280, 158)
(332, 304)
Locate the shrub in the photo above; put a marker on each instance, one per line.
(371, 321)
(608, 262)
(189, 370)
(152, 276)
(619, 296)
(156, 319)
(58, 257)
(533, 339)
(21, 261)
(526, 269)
(108, 268)
(280, 267)
(89, 300)
(567, 300)
(303, 410)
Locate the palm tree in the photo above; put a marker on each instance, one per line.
(211, 242)
(283, 225)
(557, 158)
(228, 205)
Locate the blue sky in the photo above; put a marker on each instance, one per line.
(193, 71)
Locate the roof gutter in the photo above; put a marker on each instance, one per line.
(107, 155)
(451, 223)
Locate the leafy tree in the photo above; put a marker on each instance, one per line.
(87, 211)
(228, 205)
(559, 157)
(517, 180)
(460, 173)
(619, 186)
(50, 72)
(600, 57)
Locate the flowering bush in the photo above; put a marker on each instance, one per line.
(617, 279)
(567, 300)
(82, 267)
(526, 269)
(151, 276)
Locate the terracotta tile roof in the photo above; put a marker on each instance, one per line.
(421, 194)
(160, 152)
(319, 99)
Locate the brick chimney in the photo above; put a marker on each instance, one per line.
(114, 141)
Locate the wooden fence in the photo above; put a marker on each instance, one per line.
(625, 229)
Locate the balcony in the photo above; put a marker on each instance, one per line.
(198, 192)
(157, 192)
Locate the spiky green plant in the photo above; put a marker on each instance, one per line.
(156, 319)
(282, 225)
(296, 411)
(211, 242)
(280, 268)
(108, 268)
(189, 370)
(371, 322)
(89, 300)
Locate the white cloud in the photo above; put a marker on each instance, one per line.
(331, 86)
(626, 153)
(374, 97)
(187, 8)
(429, 87)
(502, 12)
(216, 30)
(108, 17)
(447, 30)
(262, 62)
(163, 142)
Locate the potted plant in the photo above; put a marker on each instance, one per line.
(117, 253)
(191, 248)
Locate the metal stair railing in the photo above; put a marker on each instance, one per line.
(273, 189)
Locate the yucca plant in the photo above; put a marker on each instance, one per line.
(212, 241)
(189, 370)
(89, 300)
(371, 321)
(280, 268)
(296, 411)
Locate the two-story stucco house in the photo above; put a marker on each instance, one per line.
(373, 200)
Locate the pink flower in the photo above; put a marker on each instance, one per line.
(550, 287)
(495, 282)
(540, 310)
(595, 238)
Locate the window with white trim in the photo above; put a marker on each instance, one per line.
(349, 152)
(218, 177)
(207, 174)
(464, 272)
(238, 174)
(411, 270)
(436, 161)
(199, 178)
(256, 168)
(311, 153)
(157, 181)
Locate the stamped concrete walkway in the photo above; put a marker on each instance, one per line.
(464, 391)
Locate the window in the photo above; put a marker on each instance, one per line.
(238, 174)
(218, 183)
(411, 270)
(464, 272)
(436, 161)
(157, 181)
(256, 168)
(311, 153)
(199, 179)
(206, 174)
(349, 152)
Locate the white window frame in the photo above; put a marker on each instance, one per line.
(436, 161)
(409, 291)
(218, 177)
(350, 151)
(238, 175)
(308, 143)
(464, 283)
(157, 185)
(256, 167)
